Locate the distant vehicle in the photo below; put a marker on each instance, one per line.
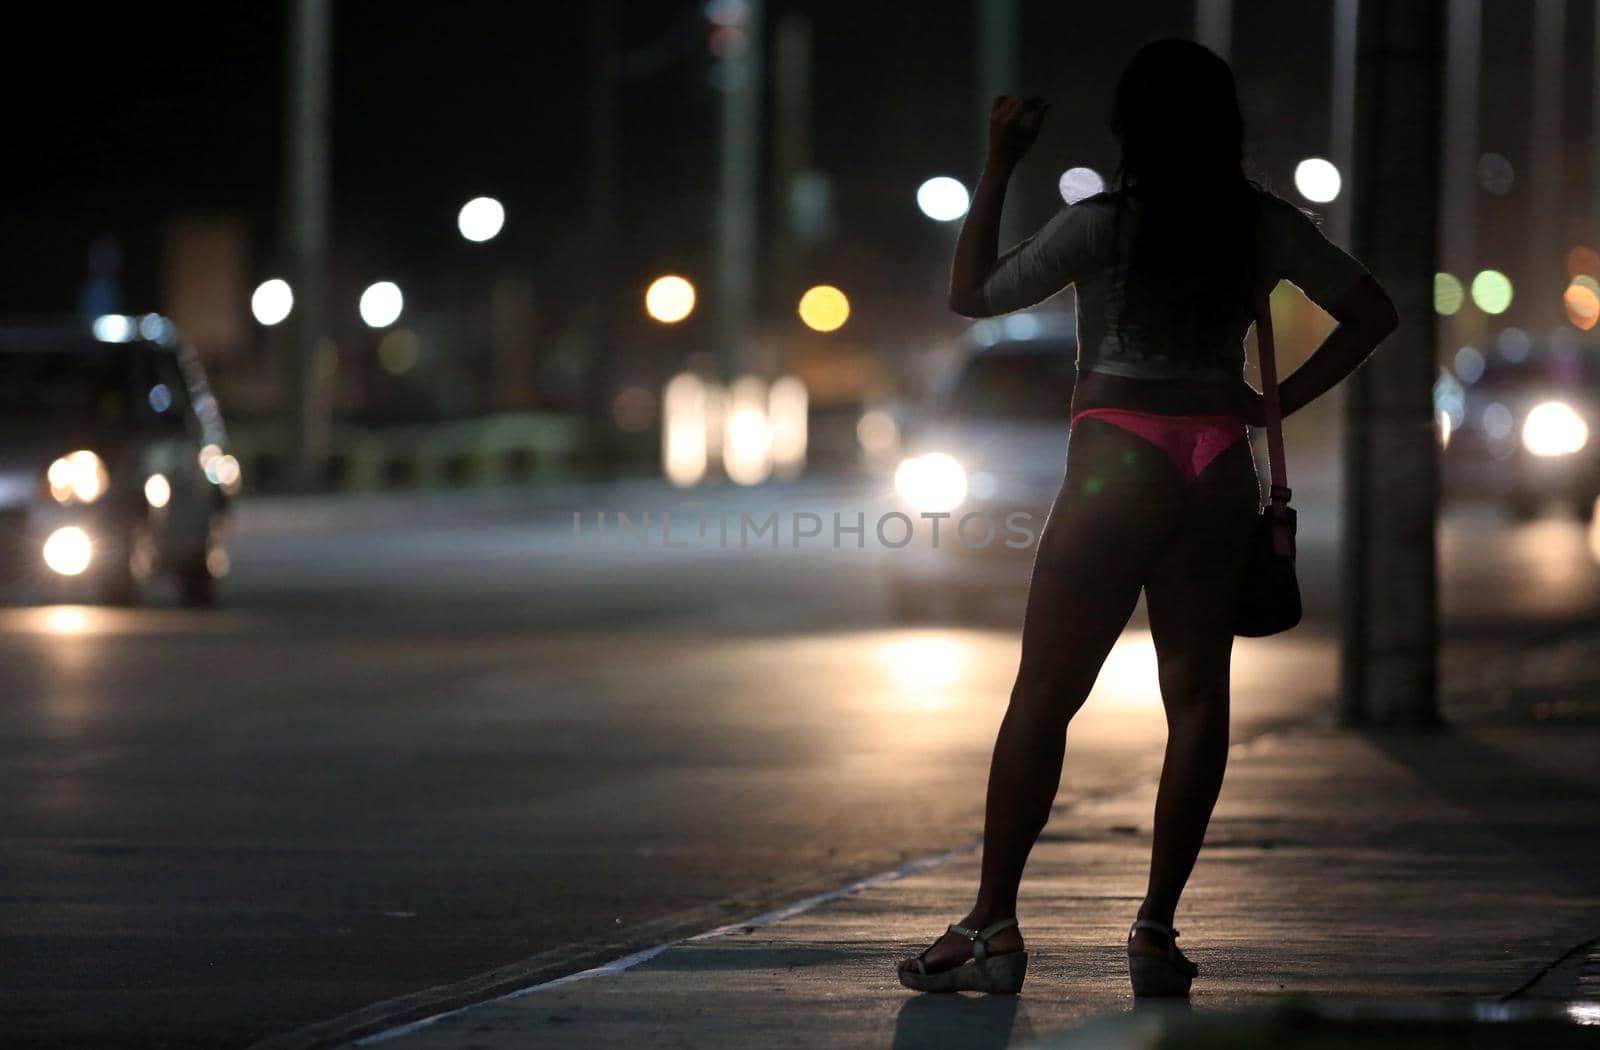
(113, 461)
(991, 443)
(1521, 431)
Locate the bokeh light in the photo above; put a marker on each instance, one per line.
(1583, 261)
(1491, 291)
(824, 308)
(1317, 180)
(1469, 364)
(68, 551)
(272, 301)
(684, 429)
(1554, 428)
(1583, 305)
(481, 218)
(1448, 295)
(1513, 344)
(943, 199)
(1078, 183)
(381, 304)
(1495, 174)
(669, 299)
(157, 490)
(399, 351)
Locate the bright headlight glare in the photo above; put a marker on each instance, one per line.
(78, 477)
(1554, 428)
(68, 551)
(933, 483)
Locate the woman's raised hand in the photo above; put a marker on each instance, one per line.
(1014, 123)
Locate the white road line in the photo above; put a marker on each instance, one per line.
(628, 962)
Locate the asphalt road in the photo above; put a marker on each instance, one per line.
(423, 739)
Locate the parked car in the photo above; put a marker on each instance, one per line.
(990, 446)
(113, 461)
(1520, 430)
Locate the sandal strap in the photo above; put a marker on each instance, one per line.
(984, 934)
(1151, 924)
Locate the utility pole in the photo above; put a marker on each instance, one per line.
(606, 300)
(1343, 122)
(791, 147)
(1458, 246)
(1543, 283)
(305, 190)
(1390, 619)
(738, 155)
(998, 74)
(1213, 26)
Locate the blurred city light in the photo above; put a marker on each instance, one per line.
(1583, 261)
(272, 301)
(381, 304)
(669, 299)
(1497, 420)
(747, 433)
(824, 308)
(933, 483)
(1469, 364)
(398, 351)
(1317, 180)
(155, 328)
(68, 551)
(684, 429)
(114, 328)
(1583, 305)
(1514, 344)
(79, 477)
(943, 199)
(1078, 183)
(1495, 174)
(1449, 400)
(1448, 294)
(480, 219)
(157, 490)
(1021, 327)
(787, 407)
(1554, 428)
(877, 432)
(1491, 291)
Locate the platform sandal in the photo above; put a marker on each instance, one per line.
(997, 974)
(1157, 975)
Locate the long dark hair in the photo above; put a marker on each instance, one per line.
(1193, 259)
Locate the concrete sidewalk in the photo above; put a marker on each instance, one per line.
(1458, 866)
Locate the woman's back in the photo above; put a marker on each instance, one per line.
(1088, 245)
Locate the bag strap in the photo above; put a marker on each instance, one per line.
(1279, 493)
(1278, 496)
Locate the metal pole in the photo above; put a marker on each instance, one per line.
(1213, 25)
(1390, 662)
(602, 226)
(998, 74)
(736, 186)
(1343, 113)
(305, 176)
(791, 146)
(1542, 283)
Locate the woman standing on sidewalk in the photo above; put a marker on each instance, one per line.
(1160, 492)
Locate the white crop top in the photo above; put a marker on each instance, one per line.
(1075, 248)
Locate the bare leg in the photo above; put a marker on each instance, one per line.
(1108, 525)
(1191, 595)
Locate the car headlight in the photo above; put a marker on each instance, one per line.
(78, 477)
(933, 483)
(1554, 428)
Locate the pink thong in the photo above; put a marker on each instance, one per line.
(1190, 442)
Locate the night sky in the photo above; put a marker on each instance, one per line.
(124, 116)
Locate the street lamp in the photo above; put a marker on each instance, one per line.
(824, 308)
(272, 301)
(1078, 183)
(669, 299)
(381, 304)
(943, 199)
(480, 219)
(1317, 180)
